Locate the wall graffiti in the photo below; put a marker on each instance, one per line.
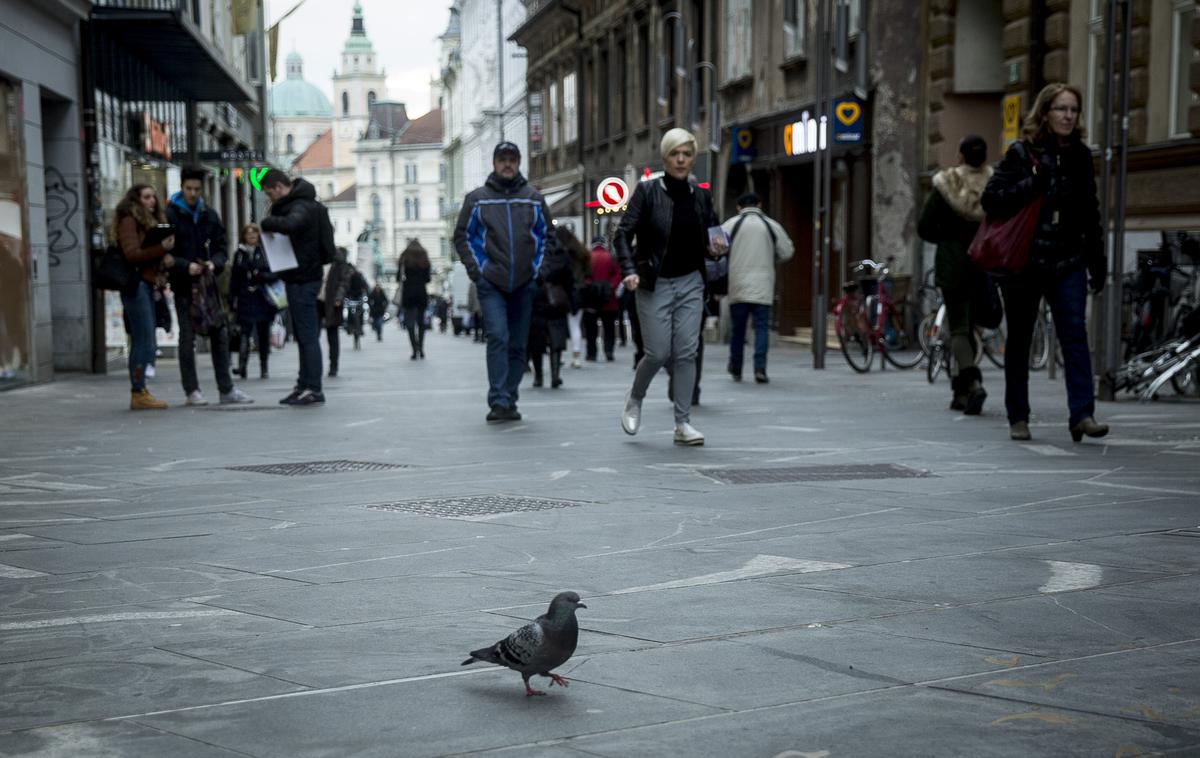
(62, 205)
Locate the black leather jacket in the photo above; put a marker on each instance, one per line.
(649, 219)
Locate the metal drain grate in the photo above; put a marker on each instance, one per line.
(847, 472)
(308, 468)
(474, 506)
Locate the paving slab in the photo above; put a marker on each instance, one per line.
(913, 721)
(161, 527)
(106, 739)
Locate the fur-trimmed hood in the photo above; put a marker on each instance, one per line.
(962, 187)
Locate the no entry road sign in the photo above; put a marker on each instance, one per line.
(612, 193)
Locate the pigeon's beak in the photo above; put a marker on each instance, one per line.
(580, 605)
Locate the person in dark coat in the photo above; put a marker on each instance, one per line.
(378, 305)
(1067, 252)
(199, 251)
(296, 213)
(950, 219)
(414, 297)
(253, 309)
(333, 297)
(551, 306)
(601, 310)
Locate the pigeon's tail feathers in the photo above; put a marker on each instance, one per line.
(487, 654)
(469, 661)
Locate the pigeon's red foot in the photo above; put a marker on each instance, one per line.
(529, 691)
(556, 679)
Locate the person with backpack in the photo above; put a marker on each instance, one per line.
(137, 213)
(949, 220)
(296, 213)
(199, 257)
(600, 300)
(758, 243)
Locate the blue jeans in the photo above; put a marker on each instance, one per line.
(306, 328)
(506, 317)
(1067, 296)
(139, 308)
(738, 314)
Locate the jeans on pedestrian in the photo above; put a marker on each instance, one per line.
(671, 317)
(306, 327)
(139, 319)
(739, 313)
(1067, 297)
(594, 322)
(218, 348)
(506, 317)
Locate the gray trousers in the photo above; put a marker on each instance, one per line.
(670, 317)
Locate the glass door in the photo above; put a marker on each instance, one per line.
(15, 296)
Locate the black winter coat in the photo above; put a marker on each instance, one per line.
(648, 218)
(250, 273)
(305, 222)
(413, 293)
(199, 236)
(1068, 235)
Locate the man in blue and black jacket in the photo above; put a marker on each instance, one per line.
(502, 234)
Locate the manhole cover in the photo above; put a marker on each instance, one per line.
(479, 505)
(317, 467)
(848, 472)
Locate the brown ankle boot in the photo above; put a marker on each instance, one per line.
(144, 401)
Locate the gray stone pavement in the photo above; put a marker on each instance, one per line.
(988, 598)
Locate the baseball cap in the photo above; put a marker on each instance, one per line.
(506, 147)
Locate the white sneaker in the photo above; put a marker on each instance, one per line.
(195, 397)
(235, 397)
(575, 362)
(631, 417)
(149, 370)
(686, 434)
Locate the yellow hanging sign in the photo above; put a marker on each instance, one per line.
(1012, 118)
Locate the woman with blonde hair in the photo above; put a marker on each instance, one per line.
(137, 213)
(670, 218)
(1051, 161)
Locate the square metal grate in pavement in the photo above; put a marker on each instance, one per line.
(474, 506)
(308, 468)
(831, 473)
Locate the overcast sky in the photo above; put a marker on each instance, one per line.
(404, 33)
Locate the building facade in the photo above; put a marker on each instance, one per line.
(299, 114)
(982, 54)
(357, 85)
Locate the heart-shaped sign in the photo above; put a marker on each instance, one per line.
(848, 113)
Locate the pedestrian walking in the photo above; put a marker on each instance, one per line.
(198, 258)
(414, 299)
(669, 219)
(138, 213)
(551, 305)
(949, 220)
(1066, 254)
(581, 271)
(378, 304)
(331, 302)
(758, 243)
(296, 213)
(247, 290)
(502, 233)
(600, 301)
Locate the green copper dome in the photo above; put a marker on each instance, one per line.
(296, 97)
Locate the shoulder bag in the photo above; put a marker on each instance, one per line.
(1001, 246)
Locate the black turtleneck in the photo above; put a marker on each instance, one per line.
(687, 241)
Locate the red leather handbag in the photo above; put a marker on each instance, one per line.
(1001, 246)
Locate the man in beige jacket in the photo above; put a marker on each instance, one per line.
(758, 244)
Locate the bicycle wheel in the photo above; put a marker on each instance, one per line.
(855, 342)
(993, 345)
(1039, 345)
(927, 332)
(937, 361)
(900, 347)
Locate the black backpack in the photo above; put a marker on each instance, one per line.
(112, 271)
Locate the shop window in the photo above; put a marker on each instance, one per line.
(1183, 54)
(739, 35)
(795, 29)
(15, 300)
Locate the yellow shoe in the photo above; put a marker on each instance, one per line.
(144, 401)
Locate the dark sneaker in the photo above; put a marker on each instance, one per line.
(761, 377)
(513, 414)
(290, 398)
(497, 413)
(308, 397)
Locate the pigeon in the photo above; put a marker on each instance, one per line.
(541, 645)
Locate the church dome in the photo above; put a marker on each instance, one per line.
(296, 97)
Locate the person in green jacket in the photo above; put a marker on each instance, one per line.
(950, 219)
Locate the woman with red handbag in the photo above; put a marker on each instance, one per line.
(1052, 166)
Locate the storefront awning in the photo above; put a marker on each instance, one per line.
(566, 204)
(170, 43)
(554, 194)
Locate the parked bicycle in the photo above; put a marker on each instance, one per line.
(867, 320)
